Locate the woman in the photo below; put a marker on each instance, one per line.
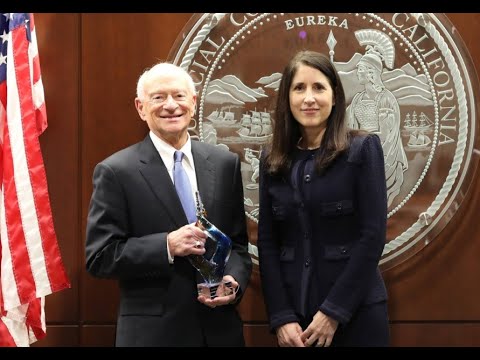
(323, 214)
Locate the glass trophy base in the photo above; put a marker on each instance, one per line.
(213, 291)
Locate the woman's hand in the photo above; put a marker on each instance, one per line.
(320, 331)
(288, 335)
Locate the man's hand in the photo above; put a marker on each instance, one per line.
(187, 240)
(225, 295)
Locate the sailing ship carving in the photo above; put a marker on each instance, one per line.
(255, 126)
(418, 129)
(418, 140)
(414, 123)
(220, 118)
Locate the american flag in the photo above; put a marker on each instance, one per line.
(31, 266)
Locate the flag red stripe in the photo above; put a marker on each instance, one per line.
(3, 93)
(36, 69)
(29, 235)
(41, 115)
(38, 177)
(18, 247)
(34, 315)
(16, 237)
(5, 338)
(2, 307)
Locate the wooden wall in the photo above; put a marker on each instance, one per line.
(90, 64)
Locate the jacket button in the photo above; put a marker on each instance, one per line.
(339, 207)
(307, 263)
(343, 250)
(307, 178)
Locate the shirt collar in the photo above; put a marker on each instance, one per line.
(166, 150)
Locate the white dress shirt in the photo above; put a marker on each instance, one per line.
(166, 152)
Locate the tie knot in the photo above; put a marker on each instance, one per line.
(178, 156)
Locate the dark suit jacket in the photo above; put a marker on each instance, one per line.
(320, 250)
(133, 206)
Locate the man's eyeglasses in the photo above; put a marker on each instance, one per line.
(161, 100)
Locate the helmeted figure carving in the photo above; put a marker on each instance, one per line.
(376, 109)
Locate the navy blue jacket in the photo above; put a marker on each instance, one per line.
(320, 245)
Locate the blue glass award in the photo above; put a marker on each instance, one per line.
(211, 265)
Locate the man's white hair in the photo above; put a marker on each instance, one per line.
(160, 69)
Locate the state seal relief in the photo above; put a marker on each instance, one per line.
(406, 78)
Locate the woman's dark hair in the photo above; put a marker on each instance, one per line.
(286, 130)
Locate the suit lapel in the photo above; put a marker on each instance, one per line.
(156, 175)
(205, 171)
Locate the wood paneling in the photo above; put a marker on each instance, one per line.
(98, 335)
(439, 283)
(58, 42)
(436, 334)
(60, 335)
(252, 306)
(116, 48)
(259, 335)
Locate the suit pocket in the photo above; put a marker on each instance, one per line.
(279, 212)
(141, 307)
(337, 252)
(335, 259)
(287, 254)
(142, 298)
(337, 208)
